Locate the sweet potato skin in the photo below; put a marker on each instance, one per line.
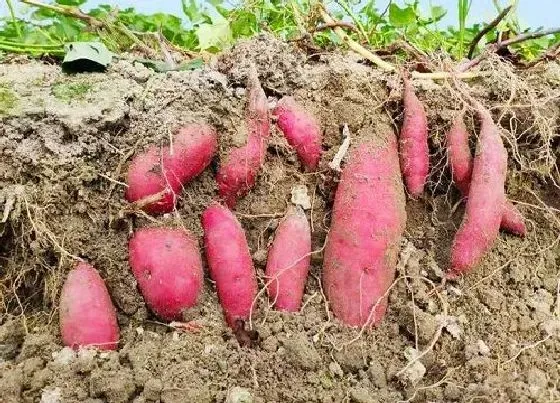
(368, 220)
(165, 170)
(229, 261)
(239, 172)
(301, 130)
(167, 265)
(413, 142)
(486, 201)
(288, 261)
(146, 177)
(461, 163)
(459, 154)
(87, 315)
(193, 148)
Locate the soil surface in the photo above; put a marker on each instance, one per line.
(66, 142)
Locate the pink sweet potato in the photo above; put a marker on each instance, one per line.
(229, 263)
(87, 315)
(413, 142)
(301, 130)
(239, 172)
(459, 154)
(167, 265)
(288, 261)
(368, 220)
(161, 172)
(461, 162)
(486, 201)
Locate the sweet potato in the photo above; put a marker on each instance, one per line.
(486, 201)
(413, 142)
(288, 261)
(87, 315)
(229, 263)
(167, 265)
(461, 162)
(239, 172)
(301, 130)
(368, 220)
(459, 154)
(161, 172)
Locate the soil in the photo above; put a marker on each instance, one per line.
(494, 335)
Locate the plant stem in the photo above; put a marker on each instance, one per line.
(463, 6)
(355, 46)
(487, 29)
(14, 19)
(31, 50)
(359, 25)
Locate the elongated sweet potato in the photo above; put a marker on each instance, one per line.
(413, 142)
(229, 262)
(288, 261)
(486, 201)
(87, 315)
(161, 172)
(368, 220)
(461, 162)
(239, 172)
(167, 265)
(459, 154)
(301, 130)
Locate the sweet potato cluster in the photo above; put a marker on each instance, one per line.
(361, 250)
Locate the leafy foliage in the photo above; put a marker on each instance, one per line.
(213, 25)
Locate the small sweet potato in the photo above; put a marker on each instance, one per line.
(161, 172)
(413, 142)
(87, 315)
(288, 261)
(301, 130)
(368, 220)
(486, 201)
(239, 172)
(229, 262)
(461, 162)
(167, 265)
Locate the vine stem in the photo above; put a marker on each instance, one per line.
(14, 19)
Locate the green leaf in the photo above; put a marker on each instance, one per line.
(401, 17)
(438, 13)
(191, 10)
(214, 35)
(86, 56)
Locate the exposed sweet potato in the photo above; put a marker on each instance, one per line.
(167, 265)
(288, 261)
(87, 315)
(486, 201)
(229, 263)
(163, 171)
(461, 162)
(413, 142)
(239, 172)
(368, 219)
(301, 130)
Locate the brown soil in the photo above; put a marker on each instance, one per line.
(61, 197)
